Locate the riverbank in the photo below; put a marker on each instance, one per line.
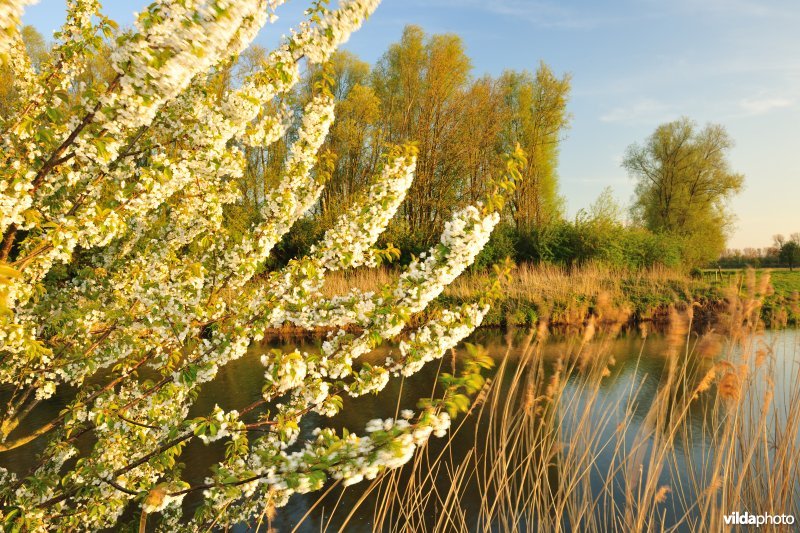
(569, 296)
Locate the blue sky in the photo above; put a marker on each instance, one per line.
(634, 65)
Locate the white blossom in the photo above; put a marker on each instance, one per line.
(136, 173)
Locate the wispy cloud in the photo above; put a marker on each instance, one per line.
(734, 8)
(542, 13)
(642, 110)
(762, 106)
(748, 8)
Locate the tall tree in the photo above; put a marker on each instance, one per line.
(37, 52)
(683, 182)
(480, 128)
(537, 116)
(421, 82)
(351, 138)
(790, 252)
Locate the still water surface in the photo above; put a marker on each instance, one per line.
(639, 368)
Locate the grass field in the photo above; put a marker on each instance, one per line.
(563, 296)
(784, 281)
(569, 296)
(781, 307)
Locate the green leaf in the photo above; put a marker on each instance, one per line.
(8, 272)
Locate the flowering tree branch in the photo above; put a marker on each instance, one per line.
(116, 262)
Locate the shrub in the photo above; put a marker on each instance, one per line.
(499, 247)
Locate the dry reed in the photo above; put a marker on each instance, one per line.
(550, 453)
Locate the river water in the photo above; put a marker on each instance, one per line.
(638, 370)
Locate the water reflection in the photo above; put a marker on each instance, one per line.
(635, 369)
(638, 371)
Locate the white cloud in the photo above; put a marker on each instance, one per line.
(761, 106)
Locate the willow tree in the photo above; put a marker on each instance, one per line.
(536, 119)
(352, 136)
(116, 265)
(421, 82)
(683, 184)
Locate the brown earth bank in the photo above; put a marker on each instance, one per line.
(567, 297)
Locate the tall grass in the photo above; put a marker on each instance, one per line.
(549, 451)
(530, 281)
(558, 294)
(559, 283)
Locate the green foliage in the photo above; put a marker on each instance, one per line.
(500, 246)
(296, 243)
(469, 381)
(565, 242)
(683, 182)
(790, 254)
(535, 119)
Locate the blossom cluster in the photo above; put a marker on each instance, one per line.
(10, 13)
(121, 266)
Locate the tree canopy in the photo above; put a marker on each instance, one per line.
(790, 253)
(683, 183)
(537, 117)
